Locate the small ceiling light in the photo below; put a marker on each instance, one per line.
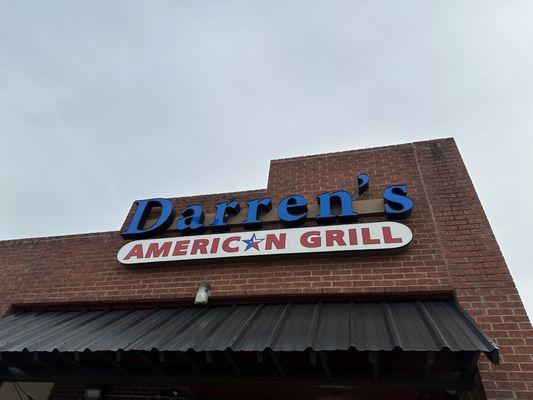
(93, 394)
(204, 290)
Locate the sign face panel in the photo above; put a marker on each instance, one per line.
(313, 239)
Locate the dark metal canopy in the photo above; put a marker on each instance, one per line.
(339, 340)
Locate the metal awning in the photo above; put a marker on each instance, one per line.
(334, 340)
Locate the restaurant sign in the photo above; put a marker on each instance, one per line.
(313, 239)
(329, 225)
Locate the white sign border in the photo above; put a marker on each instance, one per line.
(293, 244)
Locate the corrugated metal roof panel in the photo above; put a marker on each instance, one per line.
(385, 326)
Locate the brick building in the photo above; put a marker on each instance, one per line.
(416, 304)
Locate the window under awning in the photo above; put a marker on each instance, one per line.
(430, 343)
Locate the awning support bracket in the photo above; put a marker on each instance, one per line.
(75, 363)
(278, 365)
(231, 362)
(38, 360)
(322, 356)
(470, 365)
(373, 359)
(149, 362)
(430, 360)
(113, 363)
(192, 364)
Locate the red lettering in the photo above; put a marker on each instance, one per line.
(365, 232)
(226, 244)
(136, 251)
(278, 241)
(352, 236)
(335, 236)
(387, 236)
(154, 250)
(199, 245)
(180, 249)
(214, 245)
(310, 239)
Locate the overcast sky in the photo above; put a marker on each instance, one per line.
(105, 102)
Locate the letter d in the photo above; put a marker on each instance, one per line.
(136, 228)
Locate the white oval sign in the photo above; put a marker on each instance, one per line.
(315, 239)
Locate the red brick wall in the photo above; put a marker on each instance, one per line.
(453, 249)
(477, 269)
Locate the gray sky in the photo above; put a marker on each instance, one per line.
(105, 102)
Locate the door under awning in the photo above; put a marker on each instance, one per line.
(432, 344)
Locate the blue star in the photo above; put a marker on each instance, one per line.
(252, 242)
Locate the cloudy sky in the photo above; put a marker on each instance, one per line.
(104, 102)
